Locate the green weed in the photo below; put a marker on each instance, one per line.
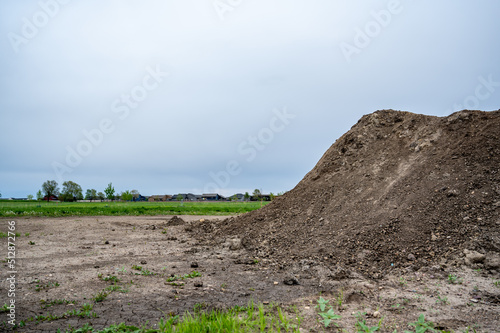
(442, 300)
(47, 304)
(100, 296)
(422, 326)
(453, 279)
(329, 316)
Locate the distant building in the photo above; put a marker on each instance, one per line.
(186, 197)
(140, 198)
(212, 197)
(51, 198)
(155, 198)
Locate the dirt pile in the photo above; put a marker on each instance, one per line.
(397, 191)
(174, 221)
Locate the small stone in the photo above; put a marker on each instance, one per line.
(194, 264)
(143, 262)
(106, 242)
(198, 284)
(411, 257)
(291, 280)
(276, 283)
(235, 244)
(473, 257)
(376, 314)
(202, 220)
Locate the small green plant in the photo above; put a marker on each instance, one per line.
(27, 234)
(137, 268)
(40, 287)
(422, 326)
(362, 327)
(122, 270)
(329, 316)
(31, 243)
(497, 283)
(442, 300)
(322, 304)
(116, 288)
(4, 308)
(100, 296)
(453, 279)
(403, 282)
(340, 299)
(47, 304)
(111, 278)
(398, 307)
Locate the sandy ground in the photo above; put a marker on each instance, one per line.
(68, 259)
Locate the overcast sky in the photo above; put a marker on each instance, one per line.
(169, 96)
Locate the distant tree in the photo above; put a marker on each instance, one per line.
(0, 194)
(135, 194)
(39, 195)
(180, 197)
(30, 197)
(126, 196)
(247, 196)
(50, 188)
(257, 195)
(272, 196)
(91, 194)
(110, 191)
(100, 196)
(71, 191)
(234, 198)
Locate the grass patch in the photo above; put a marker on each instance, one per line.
(238, 319)
(84, 312)
(58, 209)
(47, 304)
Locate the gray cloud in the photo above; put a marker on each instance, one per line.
(225, 79)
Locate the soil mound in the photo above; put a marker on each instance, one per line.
(174, 221)
(397, 191)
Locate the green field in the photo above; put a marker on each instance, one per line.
(58, 209)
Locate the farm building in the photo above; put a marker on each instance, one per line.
(212, 197)
(163, 197)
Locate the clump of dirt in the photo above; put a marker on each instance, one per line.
(399, 191)
(175, 221)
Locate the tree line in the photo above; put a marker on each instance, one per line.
(71, 191)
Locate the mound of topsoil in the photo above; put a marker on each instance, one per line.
(175, 221)
(398, 191)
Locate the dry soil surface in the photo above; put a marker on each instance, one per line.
(69, 258)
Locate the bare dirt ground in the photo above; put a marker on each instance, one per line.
(69, 258)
